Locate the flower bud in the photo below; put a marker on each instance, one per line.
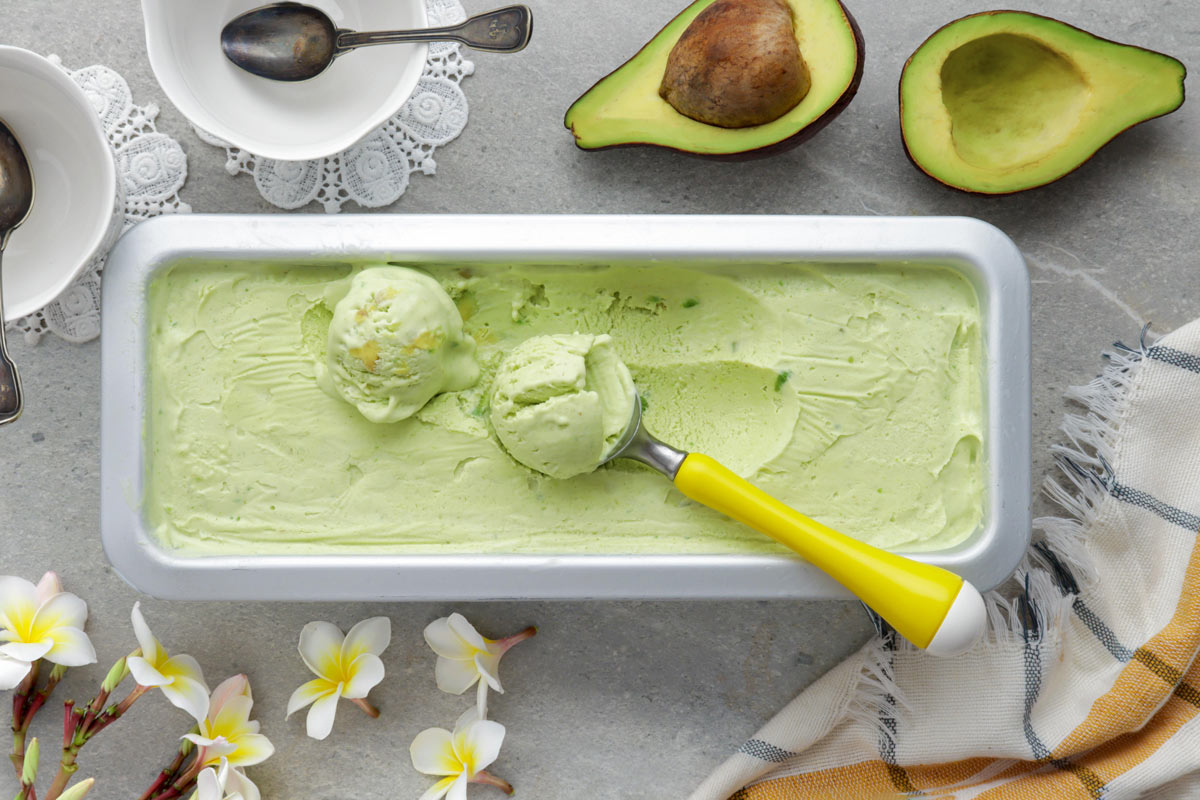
(77, 791)
(30, 767)
(114, 677)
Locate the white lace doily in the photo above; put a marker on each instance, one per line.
(153, 168)
(375, 171)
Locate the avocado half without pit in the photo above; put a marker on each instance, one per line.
(728, 78)
(1004, 101)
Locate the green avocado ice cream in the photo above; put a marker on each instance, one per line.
(560, 403)
(395, 341)
(850, 392)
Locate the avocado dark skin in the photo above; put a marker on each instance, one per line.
(737, 65)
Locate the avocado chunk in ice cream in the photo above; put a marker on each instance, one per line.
(395, 341)
(561, 403)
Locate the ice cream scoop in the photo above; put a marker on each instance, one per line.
(396, 339)
(560, 403)
(931, 607)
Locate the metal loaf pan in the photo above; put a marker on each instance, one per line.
(982, 253)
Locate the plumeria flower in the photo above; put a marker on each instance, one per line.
(178, 676)
(224, 783)
(227, 729)
(40, 621)
(460, 756)
(345, 665)
(465, 657)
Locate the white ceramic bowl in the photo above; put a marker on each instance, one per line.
(78, 203)
(287, 121)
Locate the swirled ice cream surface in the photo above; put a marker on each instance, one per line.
(851, 392)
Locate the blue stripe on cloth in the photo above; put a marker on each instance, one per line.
(1102, 632)
(1177, 358)
(765, 751)
(1028, 612)
(1170, 513)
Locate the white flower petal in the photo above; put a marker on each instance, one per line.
(233, 686)
(145, 674)
(481, 695)
(483, 739)
(63, 610)
(184, 666)
(198, 740)
(465, 719)
(458, 624)
(320, 716)
(239, 783)
(12, 672)
(26, 651)
(458, 789)
(189, 695)
(365, 674)
(489, 667)
(18, 602)
(308, 693)
(233, 716)
(445, 642)
(208, 787)
(72, 647)
(145, 638)
(455, 677)
(320, 647)
(432, 753)
(252, 748)
(47, 587)
(439, 789)
(369, 636)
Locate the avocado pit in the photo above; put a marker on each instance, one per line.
(737, 65)
(1011, 99)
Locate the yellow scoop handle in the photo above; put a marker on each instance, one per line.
(931, 607)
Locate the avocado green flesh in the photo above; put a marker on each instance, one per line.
(625, 107)
(1000, 102)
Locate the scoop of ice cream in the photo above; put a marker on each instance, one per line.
(560, 403)
(396, 340)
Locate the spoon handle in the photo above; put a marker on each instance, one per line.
(931, 607)
(11, 402)
(505, 30)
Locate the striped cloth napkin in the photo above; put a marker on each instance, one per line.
(1087, 685)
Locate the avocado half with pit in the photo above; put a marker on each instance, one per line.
(1003, 101)
(721, 80)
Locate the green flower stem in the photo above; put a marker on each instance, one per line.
(95, 719)
(184, 784)
(20, 713)
(171, 773)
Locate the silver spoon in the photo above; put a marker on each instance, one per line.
(16, 199)
(295, 42)
(931, 607)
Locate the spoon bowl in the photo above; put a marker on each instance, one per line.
(16, 201)
(283, 42)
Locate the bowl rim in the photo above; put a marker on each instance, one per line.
(170, 79)
(9, 54)
(983, 253)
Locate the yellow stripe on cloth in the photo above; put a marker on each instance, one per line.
(1152, 673)
(1161, 681)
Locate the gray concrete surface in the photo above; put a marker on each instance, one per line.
(613, 700)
